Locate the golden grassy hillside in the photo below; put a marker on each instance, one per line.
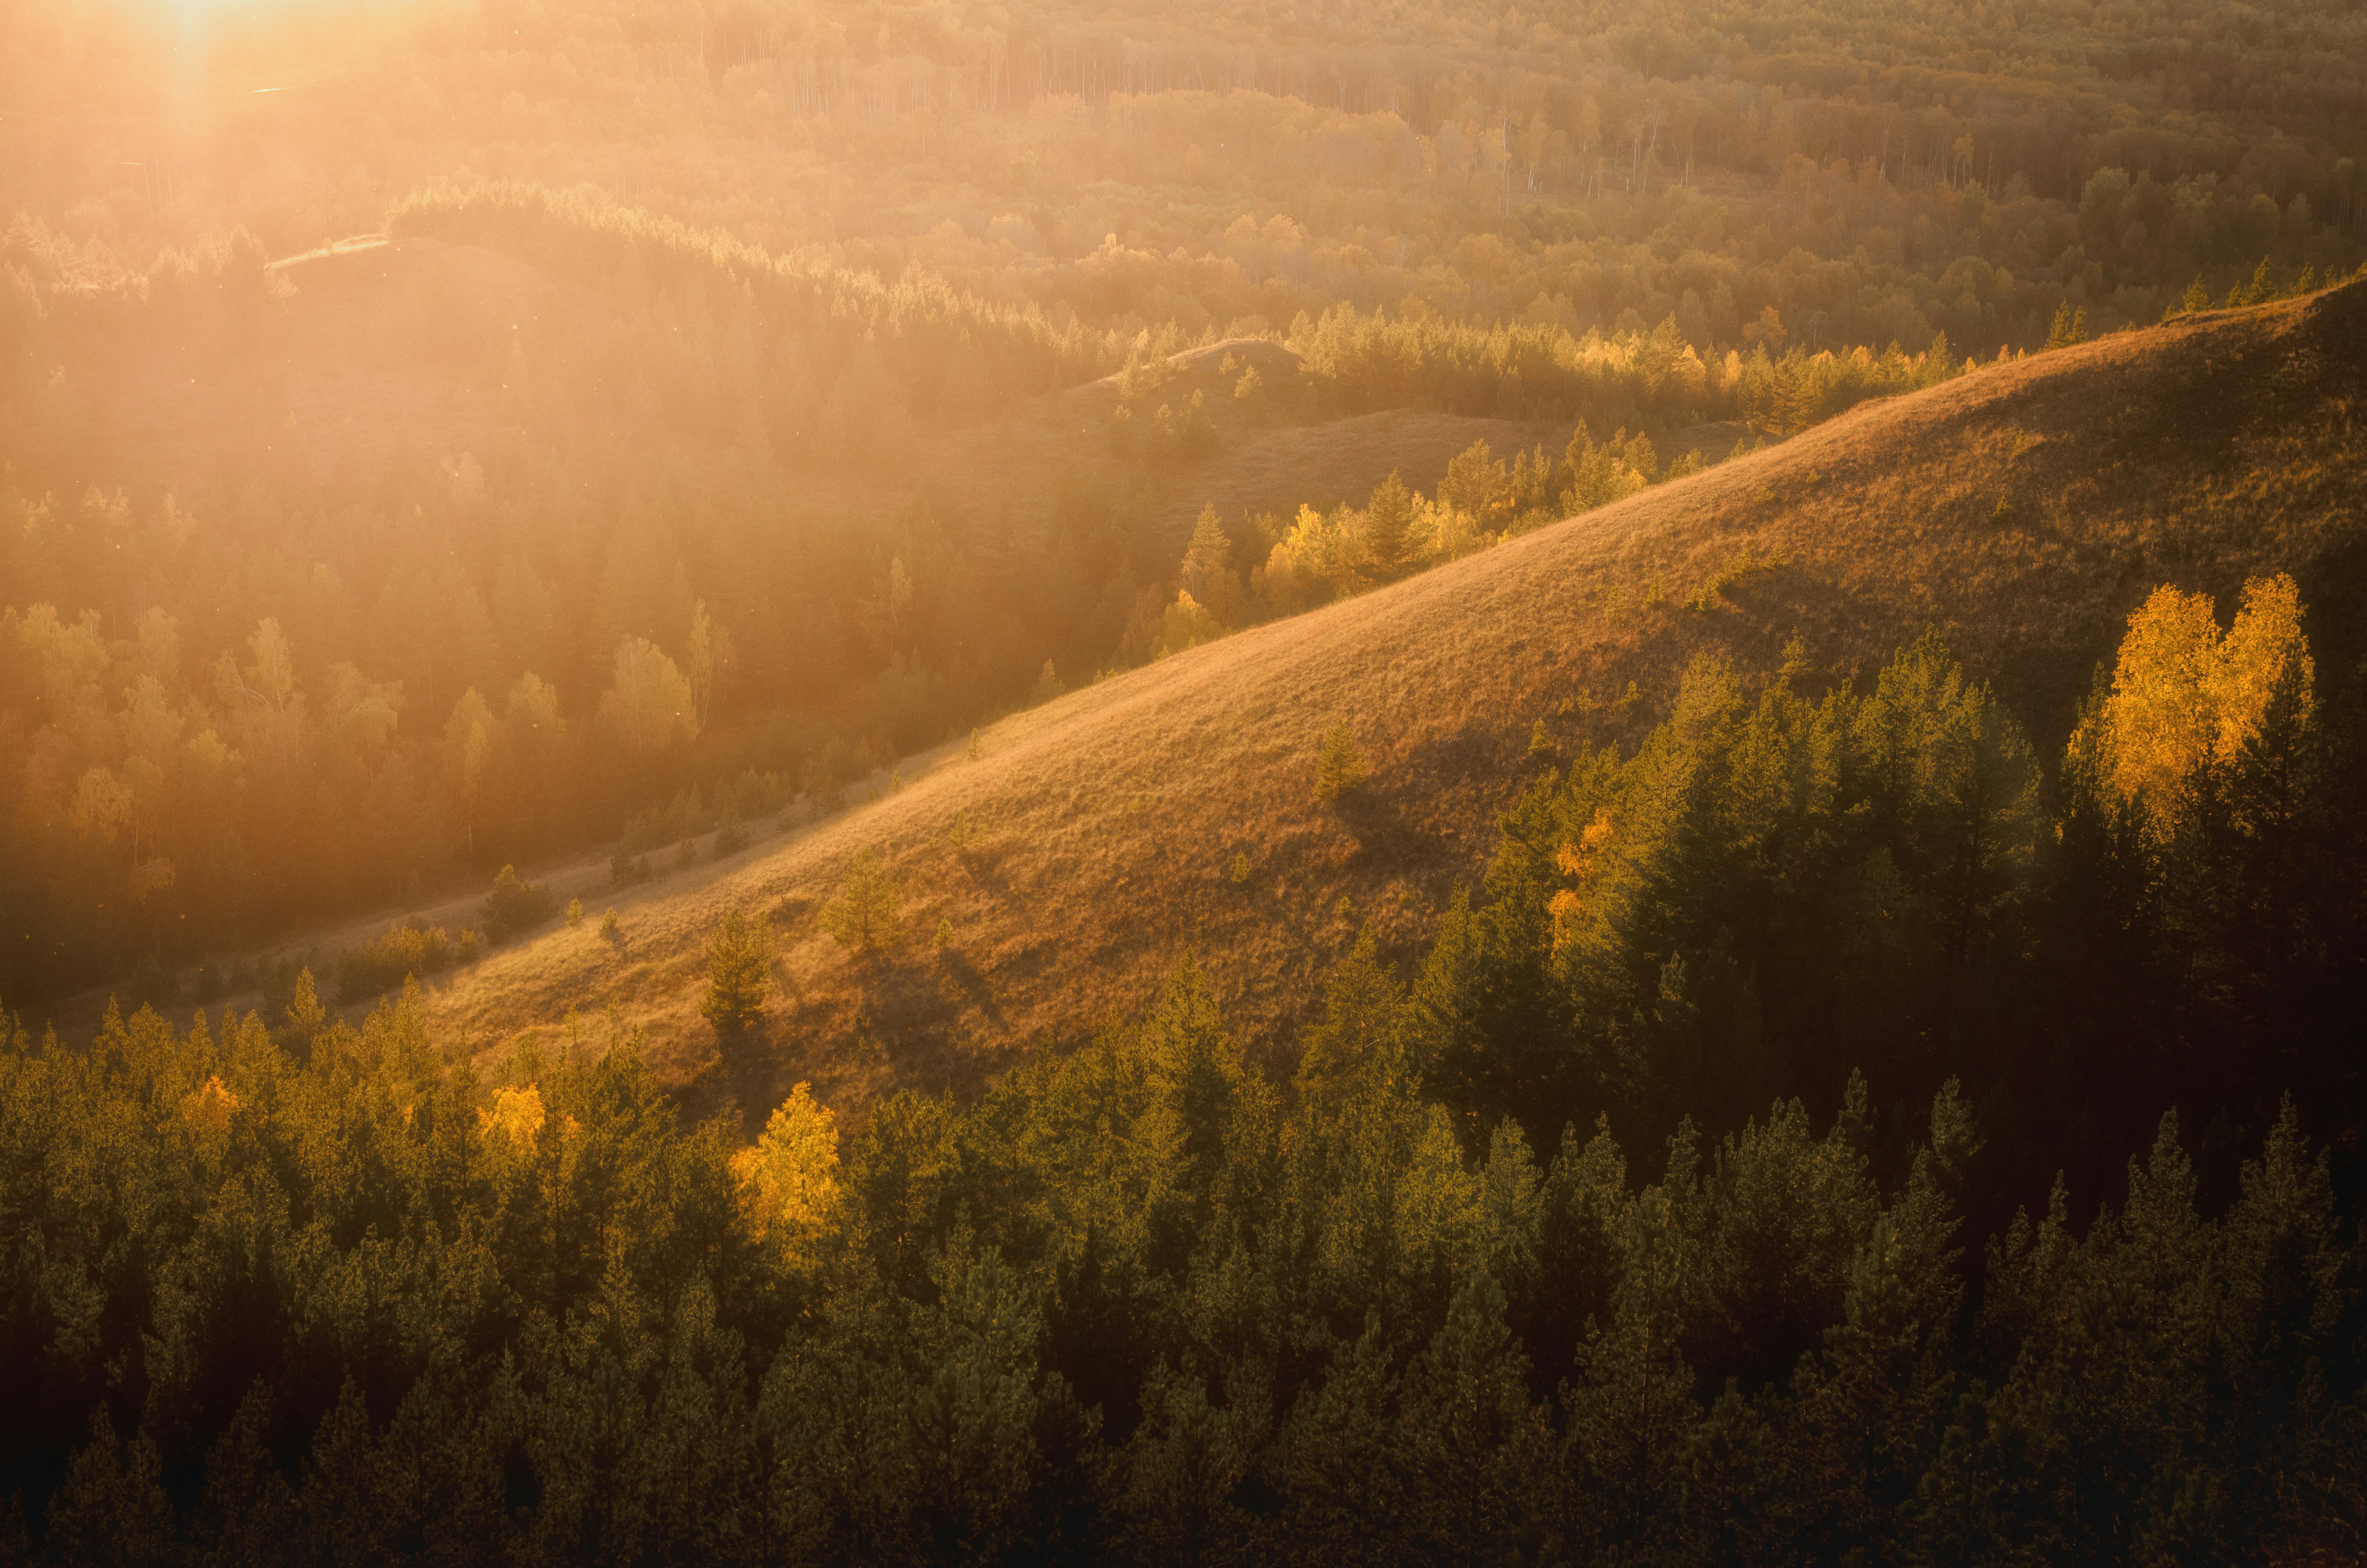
(2024, 510)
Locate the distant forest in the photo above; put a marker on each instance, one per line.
(1476, 1280)
(682, 572)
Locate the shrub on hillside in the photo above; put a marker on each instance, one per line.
(517, 906)
(692, 812)
(738, 973)
(869, 912)
(1339, 766)
(827, 773)
(411, 948)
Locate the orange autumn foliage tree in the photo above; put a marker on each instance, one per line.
(790, 1175)
(2183, 693)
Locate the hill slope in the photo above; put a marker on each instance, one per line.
(2023, 510)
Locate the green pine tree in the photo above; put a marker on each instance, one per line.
(515, 905)
(1803, 400)
(247, 1514)
(1478, 1447)
(2255, 292)
(1207, 556)
(1388, 515)
(305, 1013)
(111, 1508)
(1339, 766)
(2070, 326)
(869, 912)
(738, 973)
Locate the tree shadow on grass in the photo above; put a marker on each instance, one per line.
(984, 867)
(915, 992)
(1392, 815)
(971, 984)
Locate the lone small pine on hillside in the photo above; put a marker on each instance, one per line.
(738, 973)
(869, 911)
(1339, 767)
(515, 905)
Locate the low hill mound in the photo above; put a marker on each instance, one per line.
(1339, 461)
(379, 345)
(383, 344)
(2023, 510)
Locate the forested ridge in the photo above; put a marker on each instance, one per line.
(1688, 1199)
(686, 389)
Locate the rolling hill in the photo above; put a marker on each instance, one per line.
(378, 345)
(2023, 510)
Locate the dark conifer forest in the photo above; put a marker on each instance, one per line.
(610, 615)
(1475, 1276)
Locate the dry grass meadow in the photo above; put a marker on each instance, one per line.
(2023, 510)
